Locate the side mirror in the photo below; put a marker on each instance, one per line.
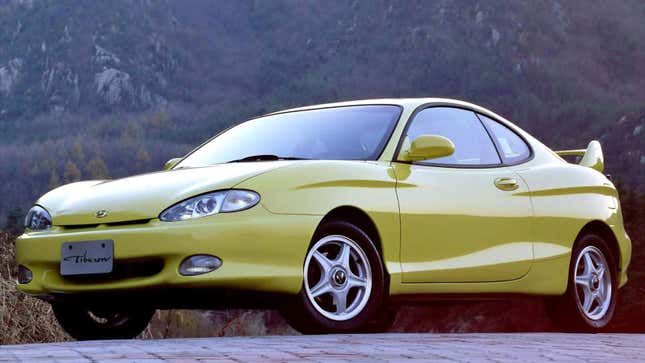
(171, 163)
(426, 147)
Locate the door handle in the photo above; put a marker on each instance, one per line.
(507, 184)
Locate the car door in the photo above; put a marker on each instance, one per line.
(464, 218)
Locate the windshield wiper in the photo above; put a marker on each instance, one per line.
(267, 157)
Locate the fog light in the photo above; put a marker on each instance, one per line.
(24, 275)
(199, 264)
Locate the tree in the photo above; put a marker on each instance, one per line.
(97, 168)
(640, 231)
(14, 221)
(72, 174)
(54, 180)
(629, 205)
(159, 120)
(77, 152)
(95, 148)
(143, 158)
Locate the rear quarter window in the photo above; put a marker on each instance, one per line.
(512, 147)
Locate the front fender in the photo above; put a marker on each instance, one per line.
(318, 187)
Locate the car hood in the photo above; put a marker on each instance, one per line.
(143, 196)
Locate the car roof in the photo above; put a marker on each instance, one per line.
(413, 103)
(405, 102)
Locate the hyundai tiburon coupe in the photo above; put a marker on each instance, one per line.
(331, 213)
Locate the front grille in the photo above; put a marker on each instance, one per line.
(123, 270)
(128, 223)
(79, 226)
(112, 224)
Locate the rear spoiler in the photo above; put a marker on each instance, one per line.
(592, 156)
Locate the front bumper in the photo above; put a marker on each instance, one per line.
(261, 251)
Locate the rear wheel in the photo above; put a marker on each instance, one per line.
(84, 323)
(590, 300)
(344, 282)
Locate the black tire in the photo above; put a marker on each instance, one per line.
(83, 323)
(303, 316)
(566, 311)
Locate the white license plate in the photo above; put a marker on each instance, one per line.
(87, 258)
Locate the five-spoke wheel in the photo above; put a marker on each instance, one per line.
(593, 283)
(344, 283)
(338, 277)
(590, 299)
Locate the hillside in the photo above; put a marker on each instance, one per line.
(105, 89)
(112, 88)
(624, 141)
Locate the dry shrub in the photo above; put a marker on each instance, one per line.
(203, 323)
(23, 319)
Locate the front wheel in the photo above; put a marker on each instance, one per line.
(85, 323)
(344, 282)
(590, 300)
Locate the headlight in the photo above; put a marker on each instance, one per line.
(38, 219)
(212, 203)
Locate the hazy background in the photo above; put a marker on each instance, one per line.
(96, 89)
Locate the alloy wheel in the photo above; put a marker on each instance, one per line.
(593, 283)
(338, 277)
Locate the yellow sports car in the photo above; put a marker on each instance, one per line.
(332, 213)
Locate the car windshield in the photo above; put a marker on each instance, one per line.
(339, 133)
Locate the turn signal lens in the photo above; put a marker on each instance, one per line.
(199, 264)
(237, 200)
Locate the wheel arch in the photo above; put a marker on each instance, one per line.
(358, 217)
(361, 219)
(603, 230)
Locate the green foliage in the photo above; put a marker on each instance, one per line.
(143, 158)
(77, 152)
(633, 207)
(14, 224)
(97, 169)
(54, 180)
(72, 173)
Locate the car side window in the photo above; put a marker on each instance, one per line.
(510, 145)
(473, 146)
